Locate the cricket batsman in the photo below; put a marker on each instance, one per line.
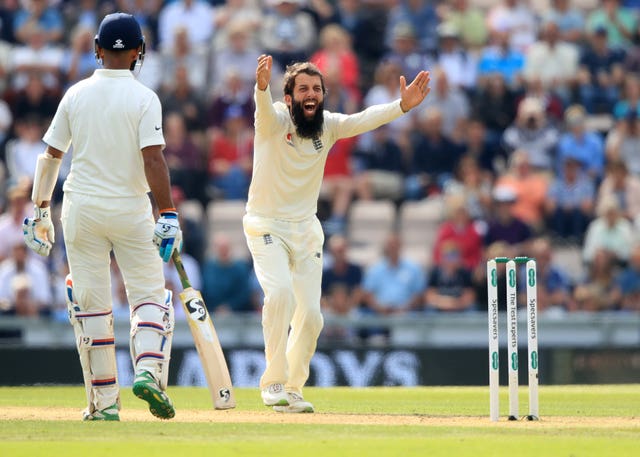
(284, 235)
(115, 125)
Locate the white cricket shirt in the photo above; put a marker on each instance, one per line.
(108, 117)
(287, 169)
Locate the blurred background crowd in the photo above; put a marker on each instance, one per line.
(529, 141)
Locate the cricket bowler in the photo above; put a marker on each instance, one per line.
(284, 235)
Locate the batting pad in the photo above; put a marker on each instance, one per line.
(151, 338)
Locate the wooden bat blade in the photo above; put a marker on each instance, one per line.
(209, 349)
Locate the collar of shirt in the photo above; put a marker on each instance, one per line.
(103, 72)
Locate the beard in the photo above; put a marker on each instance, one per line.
(308, 128)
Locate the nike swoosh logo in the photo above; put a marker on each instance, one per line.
(158, 128)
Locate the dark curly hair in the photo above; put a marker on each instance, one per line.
(295, 69)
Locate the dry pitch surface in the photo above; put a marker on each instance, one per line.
(254, 417)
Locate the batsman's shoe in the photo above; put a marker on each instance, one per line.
(108, 414)
(146, 388)
(297, 404)
(275, 395)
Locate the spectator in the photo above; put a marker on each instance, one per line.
(600, 73)
(622, 186)
(494, 103)
(470, 182)
(610, 231)
(530, 187)
(38, 14)
(553, 61)
(553, 106)
(498, 57)
(341, 287)
(182, 98)
(366, 23)
(504, 226)
(288, 32)
(380, 168)
(597, 292)
(532, 132)
(460, 228)
(184, 157)
(554, 288)
(619, 22)
(570, 201)
(230, 16)
(422, 16)
(630, 97)
(469, 20)
(451, 101)
(581, 143)
(226, 280)
(233, 92)
(393, 284)
(81, 61)
(449, 285)
(570, 20)
(338, 185)
(518, 18)
(34, 100)
(623, 142)
(39, 56)
(458, 64)
(336, 56)
(18, 208)
(231, 157)
(24, 283)
(182, 53)
(405, 51)
(194, 237)
(238, 57)
(196, 16)
(386, 89)
(626, 290)
(22, 152)
(434, 156)
(477, 144)
(336, 304)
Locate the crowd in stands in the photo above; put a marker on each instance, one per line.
(531, 135)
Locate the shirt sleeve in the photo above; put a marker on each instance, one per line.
(266, 116)
(58, 135)
(151, 124)
(348, 125)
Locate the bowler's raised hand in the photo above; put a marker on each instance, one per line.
(413, 94)
(263, 71)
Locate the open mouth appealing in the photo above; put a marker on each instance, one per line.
(310, 106)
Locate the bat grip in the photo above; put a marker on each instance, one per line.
(177, 261)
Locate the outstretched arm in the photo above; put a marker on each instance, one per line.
(413, 94)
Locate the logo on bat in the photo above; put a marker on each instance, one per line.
(225, 394)
(196, 309)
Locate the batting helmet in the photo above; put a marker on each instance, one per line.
(118, 32)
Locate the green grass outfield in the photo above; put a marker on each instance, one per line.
(576, 421)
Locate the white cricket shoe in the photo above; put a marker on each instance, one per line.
(297, 404)
(275, 395)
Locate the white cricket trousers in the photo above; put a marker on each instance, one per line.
(287, 258)
(92, 227)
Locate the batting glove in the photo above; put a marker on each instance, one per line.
(38, 231)
(167, 236)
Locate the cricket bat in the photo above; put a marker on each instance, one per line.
(206, 341)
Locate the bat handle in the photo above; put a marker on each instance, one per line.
(177, 261)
